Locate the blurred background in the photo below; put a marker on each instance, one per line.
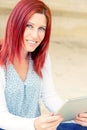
(68, 44)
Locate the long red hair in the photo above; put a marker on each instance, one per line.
(14, 32)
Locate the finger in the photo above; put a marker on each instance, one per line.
(45, 118)
(54, 123)
(49, 114)
(83, 119)
(83, 114)
(52, 128)
(81, 123)
(80, 120)
(53, 118)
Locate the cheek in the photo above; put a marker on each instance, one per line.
(42, 36)
(25, 33)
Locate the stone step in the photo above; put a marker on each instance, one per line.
(69, 19)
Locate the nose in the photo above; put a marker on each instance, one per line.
(35, 34)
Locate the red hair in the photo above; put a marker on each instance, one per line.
(15, 28)
(1, 41)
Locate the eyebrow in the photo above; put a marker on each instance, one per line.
(40, 26)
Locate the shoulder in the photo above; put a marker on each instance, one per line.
(2, 77)
(47, 60)
(1, 69)
(47, 66)
(2, 72)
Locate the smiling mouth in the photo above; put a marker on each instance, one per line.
(31, 42)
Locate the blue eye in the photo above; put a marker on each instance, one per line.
(29, 26)
(42, 29)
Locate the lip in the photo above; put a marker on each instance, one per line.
(30, 42)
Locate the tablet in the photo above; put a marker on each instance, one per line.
(73, 107)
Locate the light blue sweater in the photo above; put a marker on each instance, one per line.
(23, 98)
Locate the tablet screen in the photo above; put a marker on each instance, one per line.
(73, 107)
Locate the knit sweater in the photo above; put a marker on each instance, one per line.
(9, 120)
(23, 97)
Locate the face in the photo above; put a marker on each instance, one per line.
(34, 32)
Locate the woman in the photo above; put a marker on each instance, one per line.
(25, 74)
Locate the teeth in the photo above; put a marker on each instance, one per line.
(31, 42)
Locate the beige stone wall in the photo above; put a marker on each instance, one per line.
(5, 9)
(69, 19)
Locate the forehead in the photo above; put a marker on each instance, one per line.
(38, 18)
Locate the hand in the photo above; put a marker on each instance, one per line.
(81, 119)
(48, 122)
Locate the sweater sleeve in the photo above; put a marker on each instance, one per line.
(49, 96)
(9, 121)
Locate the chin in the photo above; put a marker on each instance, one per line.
(31, 50)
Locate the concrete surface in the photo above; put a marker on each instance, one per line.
(69, 68)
